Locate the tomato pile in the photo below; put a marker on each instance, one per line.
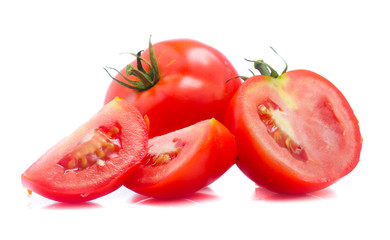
(178, 117)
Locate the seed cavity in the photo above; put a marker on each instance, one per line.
(171, 151)
(96, 148)
(269, 113)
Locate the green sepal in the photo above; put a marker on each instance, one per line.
(134, 84)
(146, 79)
(285, 69)
(264, 68)
(153, 62)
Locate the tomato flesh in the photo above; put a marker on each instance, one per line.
(95, 159)
(182, 162)
(295, 133)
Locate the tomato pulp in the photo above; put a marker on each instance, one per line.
(181, 162)
(190, 86)
(296, 133)
(95, 159)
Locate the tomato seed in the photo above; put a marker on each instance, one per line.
(114, 130)
(110, 146)
(162, 158)
(72, 163)
(278, 136)
(100, 153)
(84, 162)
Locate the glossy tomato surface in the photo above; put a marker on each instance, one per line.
(184, 161)
(95, 159)
(191, 86)
(295, 133)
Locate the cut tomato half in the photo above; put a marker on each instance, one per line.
(184, 161)
(296, 133)
(95, 159)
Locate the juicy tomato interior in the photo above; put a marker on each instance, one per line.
(296, 133)
(98, 147)
(181, 162)
(274, 119)
(163, 153)
(93, 160)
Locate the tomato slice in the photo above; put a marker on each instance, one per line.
(184, 161)
(95, 159)
(295, 133)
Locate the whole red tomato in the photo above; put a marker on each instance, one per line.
(296, 132)
(176, 83)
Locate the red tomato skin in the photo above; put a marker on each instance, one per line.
(214, 154)
(259, 164)
(46, 178)
(192, 86)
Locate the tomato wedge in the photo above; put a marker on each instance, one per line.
(95, 159)
(296, 132)
(184, 161)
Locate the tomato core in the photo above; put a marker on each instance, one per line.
(170, 151)
(99, 146)
(273, 117)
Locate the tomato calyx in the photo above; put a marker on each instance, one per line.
(146, 79)
(263, 67)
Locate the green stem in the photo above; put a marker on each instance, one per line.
(262, 67)
(266, 69)
(146, 79)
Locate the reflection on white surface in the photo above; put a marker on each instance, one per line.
(266, 195)
(202, 196)
(64, 206)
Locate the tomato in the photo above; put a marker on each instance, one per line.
(95, 159)
(183, 83)
(182, 162)
(296, 132)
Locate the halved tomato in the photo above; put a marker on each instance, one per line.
(95, 159)
(184, 161)
(296, 132)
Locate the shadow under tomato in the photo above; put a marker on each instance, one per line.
(267, 195)
(201, 196)
(62, 206)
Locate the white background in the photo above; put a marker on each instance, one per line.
(52, 80)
